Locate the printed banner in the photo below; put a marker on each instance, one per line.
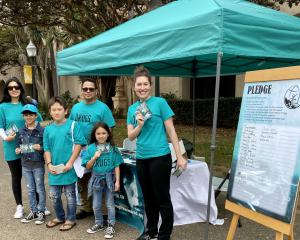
(266, 160)
(27, 74)
(129, 200)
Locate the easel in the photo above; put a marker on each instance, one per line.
(281, 228)
(218, 191)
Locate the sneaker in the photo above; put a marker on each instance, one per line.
(40, 218)
(47, 212)
(19, 212)
(146, 236)
(31, 216)
(109, 232)
(95, 228)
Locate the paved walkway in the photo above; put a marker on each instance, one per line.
(11, 228)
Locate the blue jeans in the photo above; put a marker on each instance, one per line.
(110, 204)
(55, 192)
(35, 183)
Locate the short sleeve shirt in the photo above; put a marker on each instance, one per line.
(152, 140)
(58, 141)
(11, 117)
(88, 114)
(107, 161)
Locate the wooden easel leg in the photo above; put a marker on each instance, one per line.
(291, 237)
(233, 226)
(279, 236)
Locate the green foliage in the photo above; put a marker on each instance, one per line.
(228, 111)
(44, 111)
(119, 114)
(69, 99)
(274, 3)
(169, 96)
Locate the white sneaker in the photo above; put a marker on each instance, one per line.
(19, 212)
(109, 232)
(47, 212)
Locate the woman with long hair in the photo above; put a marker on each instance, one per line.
(150, 120)
(10, 121)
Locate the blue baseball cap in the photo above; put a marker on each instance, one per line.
(29, 108)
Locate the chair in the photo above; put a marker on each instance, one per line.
(129, 145)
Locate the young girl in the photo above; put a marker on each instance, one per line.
(104, 159)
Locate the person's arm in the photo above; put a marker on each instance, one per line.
(92, 161)
(132, 131)
(8, 138)
(18, 143)
(75, 154)
(117, 174)
(48, 162)
(181, 161)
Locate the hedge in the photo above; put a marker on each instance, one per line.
(228, 111)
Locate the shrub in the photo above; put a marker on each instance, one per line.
(228, 111)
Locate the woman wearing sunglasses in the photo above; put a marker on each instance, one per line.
(10, 121)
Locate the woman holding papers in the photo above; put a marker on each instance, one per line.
(11, 120)
(150, 121)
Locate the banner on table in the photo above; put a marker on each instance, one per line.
(129, 200)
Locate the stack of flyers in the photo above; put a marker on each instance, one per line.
(11, 129)
(26, 148)
(104, 147)
(58, 168)
(144, 110)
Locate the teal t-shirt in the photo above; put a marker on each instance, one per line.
(58, 141)
(152, 140)
(107, 161)
(11, 117)
(89, 114)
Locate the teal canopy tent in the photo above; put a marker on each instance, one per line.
(183, 38)
(191, 38)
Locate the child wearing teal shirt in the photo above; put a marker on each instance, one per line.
(58, 147)
(104, 160)
(88, 112)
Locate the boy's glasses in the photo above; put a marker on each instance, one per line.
(87, 89)
(10, 88)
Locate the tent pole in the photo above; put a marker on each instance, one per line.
(213, 140)
(157, 89)
(194, 102)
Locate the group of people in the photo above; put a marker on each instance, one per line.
(87, 133)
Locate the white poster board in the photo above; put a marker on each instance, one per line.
(266, 160)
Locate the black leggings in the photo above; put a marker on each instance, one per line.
(15, 168)
(154, 177)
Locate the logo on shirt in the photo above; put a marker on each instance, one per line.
(83, 117)
(104, 162)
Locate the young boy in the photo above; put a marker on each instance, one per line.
(59, 157)
(30, 145)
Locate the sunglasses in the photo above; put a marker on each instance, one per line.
(10, 88)
(87, 89)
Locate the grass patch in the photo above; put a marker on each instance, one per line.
(225, 143)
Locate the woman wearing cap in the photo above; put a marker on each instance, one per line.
(150, 121)
(11, 120)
